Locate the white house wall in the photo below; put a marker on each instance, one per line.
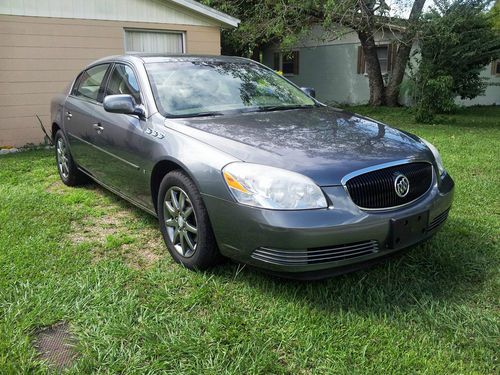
(491, 95)
(155, 11)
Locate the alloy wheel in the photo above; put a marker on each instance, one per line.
(180, 220)
(62, 158)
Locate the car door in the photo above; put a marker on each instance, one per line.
(122, 139)
(82, 110)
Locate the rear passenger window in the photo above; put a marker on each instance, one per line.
(123, 81)
(89, 83)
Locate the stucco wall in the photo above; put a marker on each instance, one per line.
(39, 56)
(332, 71)
(492, 93)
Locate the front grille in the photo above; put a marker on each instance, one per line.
(375, 190)
(438, 220)
(316, 255)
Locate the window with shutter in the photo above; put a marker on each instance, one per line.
(495, 68)
(385, 53)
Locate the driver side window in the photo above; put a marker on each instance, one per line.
(123, 81)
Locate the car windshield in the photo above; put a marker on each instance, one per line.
(197, 88)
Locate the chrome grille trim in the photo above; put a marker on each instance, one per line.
(372, 188)
(316, 255)
(438, 220)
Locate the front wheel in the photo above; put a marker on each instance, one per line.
(185, 224)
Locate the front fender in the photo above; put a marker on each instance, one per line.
(202, 162)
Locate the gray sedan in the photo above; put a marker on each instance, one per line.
(238, 162)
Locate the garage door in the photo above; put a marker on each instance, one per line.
(154, 41)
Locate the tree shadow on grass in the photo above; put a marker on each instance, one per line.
(451, 266)
(122, 203)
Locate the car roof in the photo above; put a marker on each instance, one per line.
(146, 58)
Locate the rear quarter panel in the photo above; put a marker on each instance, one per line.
(57, 108)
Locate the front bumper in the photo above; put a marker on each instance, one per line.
(281, 241)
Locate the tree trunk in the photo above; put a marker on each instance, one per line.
(375, 79)
(402, 56)
(397, 75)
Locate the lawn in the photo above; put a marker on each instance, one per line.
(85, 257)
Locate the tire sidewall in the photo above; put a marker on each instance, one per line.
(71, 165)
(206, 253)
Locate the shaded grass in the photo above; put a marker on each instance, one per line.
(434, 310)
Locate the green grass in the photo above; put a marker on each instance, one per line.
(86, 257)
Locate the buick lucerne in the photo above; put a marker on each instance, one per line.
(236, 161)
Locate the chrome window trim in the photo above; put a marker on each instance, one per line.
(377, 167)
(112, 63)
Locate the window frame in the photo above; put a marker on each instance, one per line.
(494, 68)
(161, 31)
(387, 64)
(296, 62)
(100, 95)
(131, 66)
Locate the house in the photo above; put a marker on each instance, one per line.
(334, 65)
(45, 43)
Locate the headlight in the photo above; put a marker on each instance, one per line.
(273, 188)
(435, 152)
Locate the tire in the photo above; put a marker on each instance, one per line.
(184, 223)
(66, 166)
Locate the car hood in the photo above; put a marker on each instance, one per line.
(322, 143)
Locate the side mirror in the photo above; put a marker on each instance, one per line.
(309, 91)
(124, 104)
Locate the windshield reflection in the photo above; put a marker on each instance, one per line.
(199, 87)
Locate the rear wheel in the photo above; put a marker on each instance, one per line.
(68, 171)
(184, 223)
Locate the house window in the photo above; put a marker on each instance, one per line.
(287, 62)
(495, 68)
(154, 41)
(383, 58)
(385, 54)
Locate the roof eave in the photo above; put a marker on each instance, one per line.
(223, 18)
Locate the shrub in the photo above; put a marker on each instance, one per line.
(457, 41)
(436, 97)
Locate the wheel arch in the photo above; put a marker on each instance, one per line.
(160, 169)
(55, 127)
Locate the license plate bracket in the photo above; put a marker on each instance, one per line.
(408, 230)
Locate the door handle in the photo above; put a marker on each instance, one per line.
(69, 115)
(98, 128)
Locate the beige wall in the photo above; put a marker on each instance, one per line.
(40, 56)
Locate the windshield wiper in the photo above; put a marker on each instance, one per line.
(198, 114)
(282, 107)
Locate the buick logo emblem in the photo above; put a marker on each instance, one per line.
(401, 185)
